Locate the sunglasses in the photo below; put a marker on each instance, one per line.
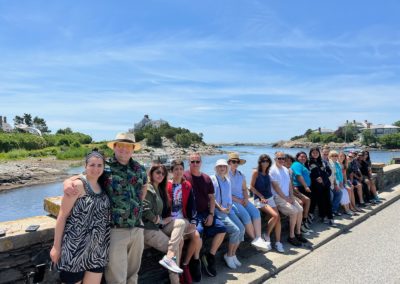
(351, 157)
(280, 159)
(265, 161)
(160, 173)
(195, 162)
(234, 161)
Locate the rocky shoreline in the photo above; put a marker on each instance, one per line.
(34, 171)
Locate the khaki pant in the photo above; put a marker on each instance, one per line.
(168, 238)
(126, 250)
(286, 208)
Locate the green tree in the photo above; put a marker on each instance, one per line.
(18, 120)
(40, 124)
(348, 132)
(390, 141)
(368, 138)
(64, 131)
(28, 119)
(397, 123)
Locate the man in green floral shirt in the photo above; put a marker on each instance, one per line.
(125, 184)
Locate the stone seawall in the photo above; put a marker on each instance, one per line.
(23, 254)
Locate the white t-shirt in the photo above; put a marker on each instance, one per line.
(282, 177)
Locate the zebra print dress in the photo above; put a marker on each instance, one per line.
(86, 237)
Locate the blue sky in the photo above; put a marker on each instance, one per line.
(247, 71)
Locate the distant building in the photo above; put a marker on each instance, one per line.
(4, 125)
(382, 129)
(360, 125)
(324, 130)
(147, 121)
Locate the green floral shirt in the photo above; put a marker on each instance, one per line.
(123, 184)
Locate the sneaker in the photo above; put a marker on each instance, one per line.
(259, 244)
(237, 262)
(170, 264)
(311, 217)
(307, 225)
(304, 229)
(325, 220)
(301, 238)
(331, 222)
(186, 277)
(267, 241)
(229, 261)
(362, 205)
(349, 213)
(208, 261)
(294, 242)
(195, 269)
(279, 247)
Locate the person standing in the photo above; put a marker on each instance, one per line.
(207, 224)
(125, 184)
(82, 232)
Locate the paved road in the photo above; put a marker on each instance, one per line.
(368, 253)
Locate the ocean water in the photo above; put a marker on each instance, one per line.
(28, 201)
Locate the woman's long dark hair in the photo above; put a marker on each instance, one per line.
(317, 161)
(264, 157)
(162, 187)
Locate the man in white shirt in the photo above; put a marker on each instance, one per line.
(283, 195)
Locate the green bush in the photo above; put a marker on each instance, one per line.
(390, 141)
(183, 140)
(72, 153)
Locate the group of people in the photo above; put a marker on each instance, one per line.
(109, 213)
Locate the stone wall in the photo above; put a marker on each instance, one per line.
(22, 252)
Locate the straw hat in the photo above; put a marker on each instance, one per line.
(235, 156)
(127, 138)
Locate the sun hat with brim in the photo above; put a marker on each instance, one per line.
(127, 138)
(235, 156)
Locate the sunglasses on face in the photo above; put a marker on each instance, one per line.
(280, 159)
(195, 162)
(159, 173)
(234, 161)
(265, 161)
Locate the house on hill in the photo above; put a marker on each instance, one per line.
(146, 120)
(6, 127)
(382, 129)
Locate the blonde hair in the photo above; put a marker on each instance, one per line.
(333, 153)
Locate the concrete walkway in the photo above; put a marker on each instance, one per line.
(258, 267)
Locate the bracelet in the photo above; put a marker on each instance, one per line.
(211, 213)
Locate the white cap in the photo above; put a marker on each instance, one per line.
(221, 162)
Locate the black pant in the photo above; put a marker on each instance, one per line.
(323, 199)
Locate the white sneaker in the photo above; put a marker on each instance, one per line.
(237, 262)
(279, 247)
(230, 261)
(170, 264)
(267, 241)
(259, 244)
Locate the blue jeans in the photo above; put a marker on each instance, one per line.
(233, 225)
(246, 213)
(336, 196)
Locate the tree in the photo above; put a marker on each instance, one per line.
(348, 132)
(368, 138)
(40, 124)
(18, 120)
(28, 119)
(64, 131)
(397, 123)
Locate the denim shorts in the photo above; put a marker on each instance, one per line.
(216, 228)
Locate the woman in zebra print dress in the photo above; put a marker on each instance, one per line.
(82, 233)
